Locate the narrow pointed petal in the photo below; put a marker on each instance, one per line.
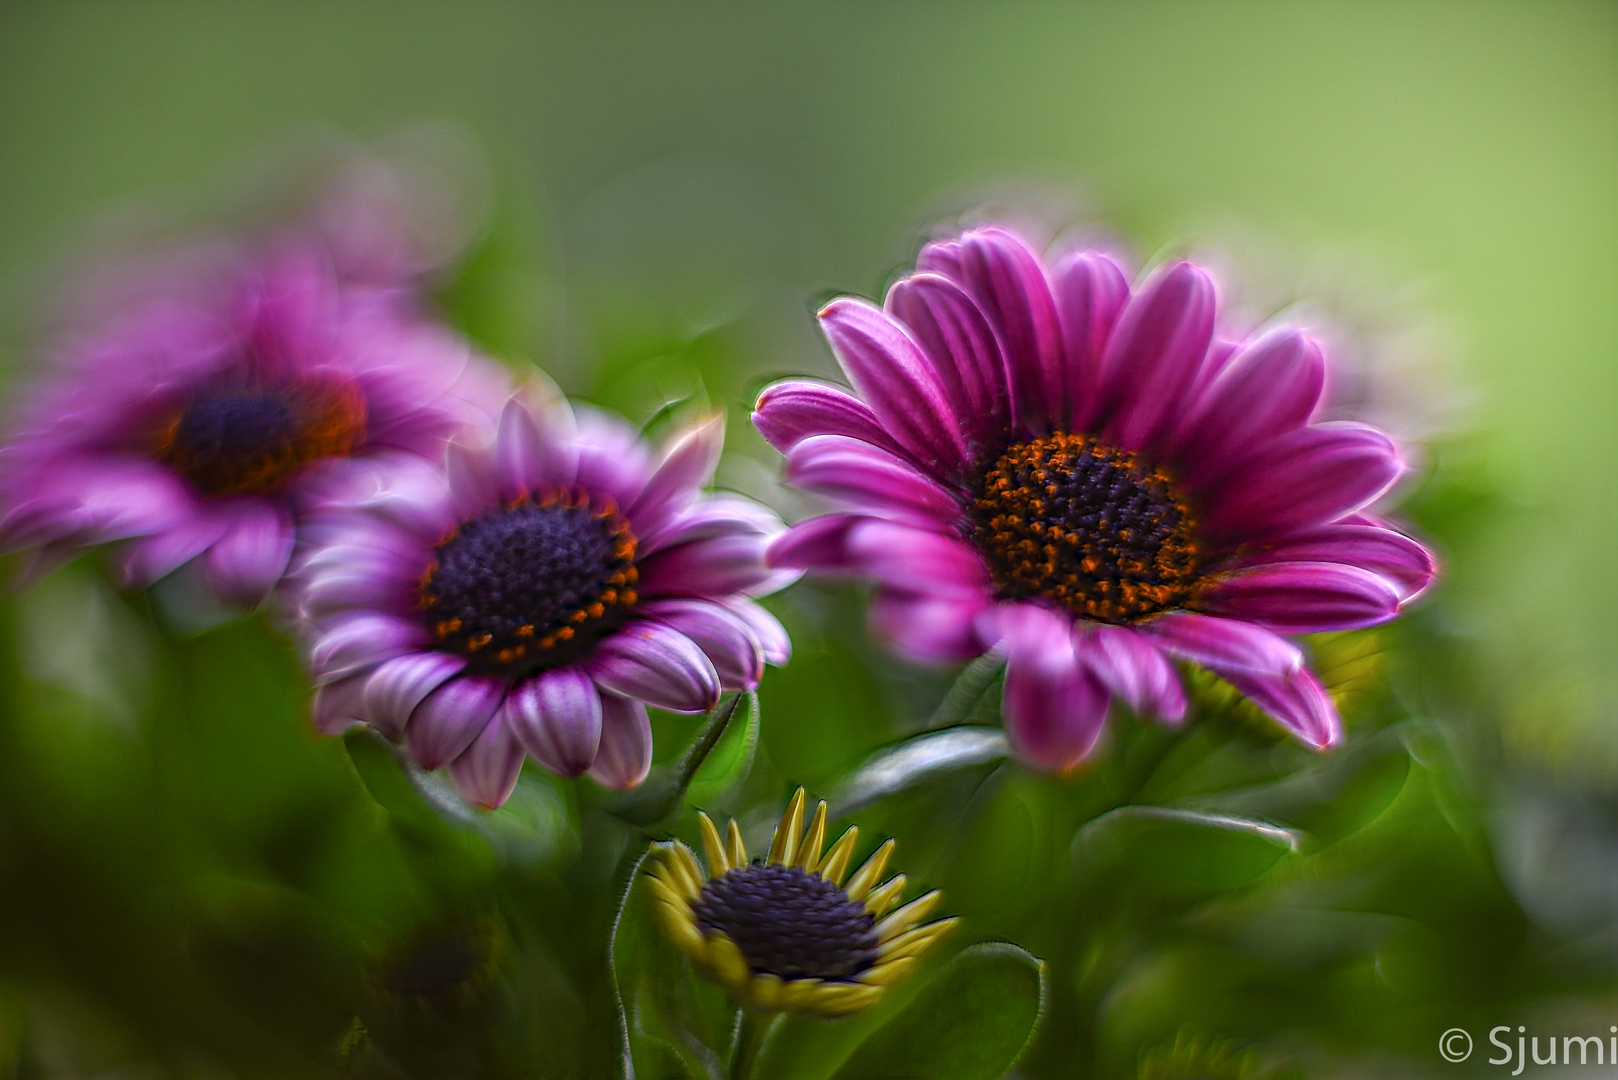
(625, 755)
(1304, 597)
(656, 664)
(397, 686)
(867, 875)
(449, 718)
(712, 847)
(791, 411)
(808, 852)
(835, 864)
(885, 895)
(1296, 699)
(1155, 353)
(1307, 477)
(735, 850)
(557, 717)
(486, 772)
(908, 916)
(897, 381)
(1090, 291)
(518, 452)
(785, 842)
(956, 337)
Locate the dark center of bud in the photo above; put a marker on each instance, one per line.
(789, 923)
(530, 585)
(252, 441)
(1074, 521)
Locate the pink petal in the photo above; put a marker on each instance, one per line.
(956, 337)
(472, 486)
(725, 637)
(625, 756)
(1306, 477)
(1054, 707)
(517, 451)
(156, 556)
(1403, 561)
(772, 636)
(1305, 597)
(248, 561)
(870, 480)
(1004, 276)
(928, 629)
(688, 465)
(359, 642)
(894, 377)
(1223, 644)
(915, 559)
(1133, 667)
(486, 772)
(557, 716)
(817, 544)
(397, 686)
(1090, 290)
(1296, 699)
(1269, 388)
(789, 412)
(658, 665)
(714, 567)
(1155, 353)
(447, 721)
(613, 460)
(339, 705)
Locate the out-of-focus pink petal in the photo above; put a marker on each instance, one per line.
(1090, 290)
(613, 460)
(625, 756)
(1296, 699)
(1132, 666)
(449, 718)
(1306, 477)
(869, 480)
(657, 664)
(1223, 644)
(557, 716)
(1305, 597)
(928, 629)
(1054, 705)
(914, 559)
(360, 642)
(817, 544)
(245, 563)
(897, 381)
(1154, 355)
(772, 636)
(714, 567)
(724, 636)
(397, 686)
(687, 466)
(485, 772)
(518, 452)
(791, 411)
(472, 480)
(956, 337)
(152, 557)
(339, 705)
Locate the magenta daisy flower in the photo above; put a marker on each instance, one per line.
(195, 420)
(1041, 462)
(536, 596)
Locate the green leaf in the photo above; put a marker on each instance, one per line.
(916, 760)
(727, 764)
(402, 787)
(968, 691)
(664, 791)
(664, 1010)
(971, 1022)
(1180, 851)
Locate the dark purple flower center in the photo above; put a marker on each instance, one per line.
(788, 922)
(1071, 520)
(533, 583)
(252, 441)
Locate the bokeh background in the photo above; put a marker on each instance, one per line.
(648, 201)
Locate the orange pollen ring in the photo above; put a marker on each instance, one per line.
(1069, 519)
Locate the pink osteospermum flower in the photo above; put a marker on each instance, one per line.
(192, 423)
(1042, 462)
(536, 596)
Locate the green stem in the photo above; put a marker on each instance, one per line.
(751, 1031)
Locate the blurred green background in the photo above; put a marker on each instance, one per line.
(193, 885)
